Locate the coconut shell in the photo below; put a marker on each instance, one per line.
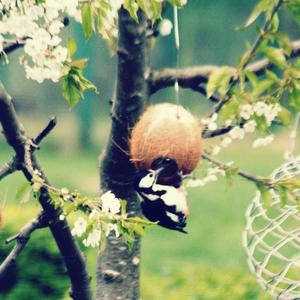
(166, 130)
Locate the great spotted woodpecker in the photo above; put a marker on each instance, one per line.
(163, 203)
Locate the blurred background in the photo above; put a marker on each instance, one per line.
(209, 262)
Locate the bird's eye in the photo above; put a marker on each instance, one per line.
(151, 175)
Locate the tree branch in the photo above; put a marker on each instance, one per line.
(73, 258)
(9, 168)
(207, 134)
(14, 164)
(11, 45)
(193, 77)
(21, 240)
(222, 165)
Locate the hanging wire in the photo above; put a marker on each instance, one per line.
(177, 45)
(289, 153)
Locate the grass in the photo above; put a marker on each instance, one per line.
(215, 225)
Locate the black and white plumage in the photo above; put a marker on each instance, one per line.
(165, 204)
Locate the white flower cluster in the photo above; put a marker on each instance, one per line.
(264, 141)
(210, 177)
(246, 112)
(39, 26)
(260, 108)
(210, 123)
(93, 227)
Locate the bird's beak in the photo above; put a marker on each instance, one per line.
(159, 171)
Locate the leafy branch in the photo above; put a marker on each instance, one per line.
(287, 188)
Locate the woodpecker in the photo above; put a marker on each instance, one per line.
(163, 203)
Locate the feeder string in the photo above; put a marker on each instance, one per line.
(177, 45)
(289, 153)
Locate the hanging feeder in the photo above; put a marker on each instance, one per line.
(166, 130)
(272, 240)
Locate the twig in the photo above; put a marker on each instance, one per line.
(9, 168)
(14, 164)
(11, 45)
(21, 240)
(51, 124)
(265, 181)
(207, 134)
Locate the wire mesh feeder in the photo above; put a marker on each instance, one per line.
(272, 240)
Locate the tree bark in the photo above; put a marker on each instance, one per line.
(118, 267)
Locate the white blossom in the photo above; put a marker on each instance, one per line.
(228, 122)
(250, 126)
(226, 142)
(260, 142)
(216, 150)
(246, 111)
(80, 227)
(93, 238)
(211, 122)
(112, 227)
(94, 214)
(65, 193)
(210, 177)
(237, 133)
(260, 108)
(165, 27)
(110, 204)
(216, 170)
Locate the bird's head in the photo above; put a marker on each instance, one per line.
(160, 168)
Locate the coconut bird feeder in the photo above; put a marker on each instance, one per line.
(166, 131)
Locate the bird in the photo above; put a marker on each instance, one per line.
(163, 203)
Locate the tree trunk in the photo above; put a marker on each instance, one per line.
(118, 267)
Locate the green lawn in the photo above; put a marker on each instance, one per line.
(171, 260)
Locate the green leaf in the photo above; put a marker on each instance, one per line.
(132, 7)
(123, 207)
(230, 172)
(286, 197)
(275, 56)
(294, 98)
(151, 8)
(284, 116)
(294, 7)
(266, 195)
(284, 42)
(70, 91)
(262, 87)
(274, 24)
(74, 84)
(139, 229)
(72, 47)
(22, 189)
(24, 192)
(141, 220)
(261, 7)
(229, 110)
(251, 77)
(261, 123)
(87, 20)
(272, 76)
(218, 81)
